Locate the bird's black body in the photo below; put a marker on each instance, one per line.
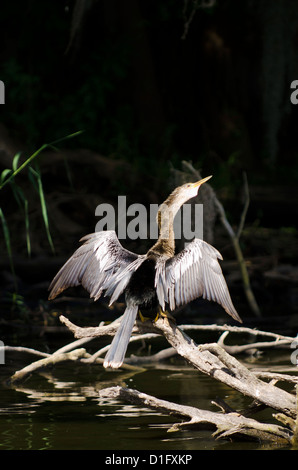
(151, 282)
(141, 290)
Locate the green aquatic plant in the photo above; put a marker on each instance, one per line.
(8, 177)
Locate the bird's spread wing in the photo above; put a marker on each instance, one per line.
(100, 265)
(194, 272)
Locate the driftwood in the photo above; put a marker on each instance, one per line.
(277, 339)
(49, 361)
(211, 359)
(226, 424)
(214, 361)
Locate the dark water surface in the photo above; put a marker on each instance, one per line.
(61, 409)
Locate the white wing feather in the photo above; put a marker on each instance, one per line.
(100, 265)
(194, 272)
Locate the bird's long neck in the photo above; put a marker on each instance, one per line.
(165, 244)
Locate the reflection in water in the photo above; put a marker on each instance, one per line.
(62, 410)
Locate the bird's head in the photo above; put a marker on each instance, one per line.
(170, 207)
(187, 191)
(177, 198)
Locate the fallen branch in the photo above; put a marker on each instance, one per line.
(211, 359)
(91, 331)
(23, 349)
(226, 424)
(236, 329)
(159, 356)
(84, 332)
(248, 347)
(50, 361)
(132, 360)
(104, 330)
(69, 352)
(276, 377)
(214, 361)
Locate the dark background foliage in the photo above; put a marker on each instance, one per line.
(151, 83)
(146, 85)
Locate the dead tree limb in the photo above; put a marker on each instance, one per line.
(91, 331)
(22, 349)
(236, 329)
(248, 347)
(213, 360)
(50, 361)
(226, 424)
(210, 359)
(87, 332)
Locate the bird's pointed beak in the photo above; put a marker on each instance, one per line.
(198, 183)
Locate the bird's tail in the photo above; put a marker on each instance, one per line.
(116, 354)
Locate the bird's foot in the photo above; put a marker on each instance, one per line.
(142, 318)
(164, 314)
(160, 314)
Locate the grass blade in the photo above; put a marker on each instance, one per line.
(4, 181)
(16, 161)
(43, 205)
(28, 240)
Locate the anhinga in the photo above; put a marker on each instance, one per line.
(156, 280)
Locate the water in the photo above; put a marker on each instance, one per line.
(61, 409)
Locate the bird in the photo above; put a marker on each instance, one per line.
(156, 281)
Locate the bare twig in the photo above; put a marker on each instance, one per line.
(73, 345)
(50, 361)
(104, 330)
(275, 376)
(195, 6)
(103, 350)
(190, 18)
(91, 331)
(236, 329)
(160, 356)
(257, 345)
(23, 349)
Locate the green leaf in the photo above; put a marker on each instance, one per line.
(17, 170)
(4, 175)
(16, 161)
(7, 176)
